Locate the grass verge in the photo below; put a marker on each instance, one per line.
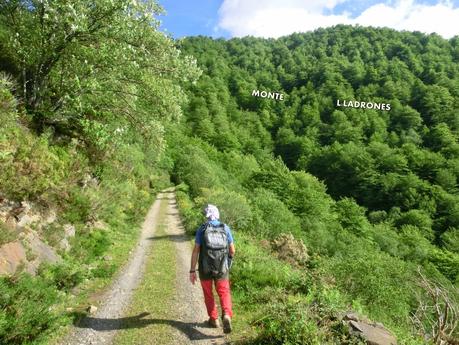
(153, 296)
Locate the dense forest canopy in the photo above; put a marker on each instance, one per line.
(402, 165)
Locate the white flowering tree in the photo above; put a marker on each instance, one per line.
(98, 68)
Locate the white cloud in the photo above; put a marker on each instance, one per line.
(274, 18)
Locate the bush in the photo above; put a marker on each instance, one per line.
(255, 269)
(26, 305)
(190, 214)
(381, 282)
(30, 167)
(289, 324)
(352, 217)
(418, 218)
(234, 207)
(63, 276)
(413, 245)
(447, 263)
(90, 245)
(78, 207)
(271, 216)
(450, 240)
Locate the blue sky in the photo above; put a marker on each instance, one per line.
(190, 18)
(274, 18)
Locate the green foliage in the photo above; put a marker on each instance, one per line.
(190, 215)
(30, 167)
(90, 245)
(63, 276)
(271, 216)
(289, 323)
(381, 282)
(6, 234)
(95, 69)
(352, 217)
(450, 240)
(234, 207)
(372, 194)
(78, 207)
(26, 309)
(447, 263)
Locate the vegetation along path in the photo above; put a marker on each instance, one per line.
(152, 301)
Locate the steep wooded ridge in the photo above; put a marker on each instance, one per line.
(334, 209)
(371, 193)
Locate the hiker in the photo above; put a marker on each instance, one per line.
(215, 248)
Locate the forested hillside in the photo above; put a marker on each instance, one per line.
(371, 193)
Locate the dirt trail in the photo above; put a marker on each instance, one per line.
(101, 327)
(189, 301)
(188, 327)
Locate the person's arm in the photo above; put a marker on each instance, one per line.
(232, 249)
(194, 261)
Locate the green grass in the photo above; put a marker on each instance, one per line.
(153, 297)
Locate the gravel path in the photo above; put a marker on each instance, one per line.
(188, 327)
(189, 301)
(100, 328)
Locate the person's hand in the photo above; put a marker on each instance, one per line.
(193, 277)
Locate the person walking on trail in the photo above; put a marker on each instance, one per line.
(214, 246)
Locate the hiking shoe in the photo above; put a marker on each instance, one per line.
(214, 323)
(227, 324)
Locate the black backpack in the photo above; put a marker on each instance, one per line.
(213, 257)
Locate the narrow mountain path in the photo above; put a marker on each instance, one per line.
(188, 299)
(151, 301)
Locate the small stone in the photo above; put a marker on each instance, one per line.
(64, 245)
(91, 309)
(351, 316)
(69, 230)
(26, 219)
(51, 218)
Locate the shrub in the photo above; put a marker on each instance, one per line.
(271, 216)
(290, 249)
(234, 207)
(450, 240)
(289, 324)
(6, 234)
(63, 276)
(87, 246)
(190, 214)
(352, 217)
(381, 282)
(418, 218)
(25, 309)
(30, 167)
(78, 207)
(413, 245)
(447, 263)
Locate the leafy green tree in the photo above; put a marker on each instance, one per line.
(103, 62)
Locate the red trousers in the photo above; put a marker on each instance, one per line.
(224, 293)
